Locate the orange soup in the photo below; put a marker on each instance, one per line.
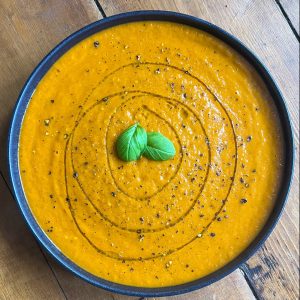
(151, 223)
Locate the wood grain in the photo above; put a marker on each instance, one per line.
(273, 272)
(24, 273)
(291, 8)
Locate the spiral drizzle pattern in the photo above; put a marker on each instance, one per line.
(135, 94)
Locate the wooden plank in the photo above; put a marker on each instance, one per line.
(274, 270)
(24, 273)
(291, 8)
(28, 31)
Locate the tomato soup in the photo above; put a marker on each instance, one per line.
(151, 223)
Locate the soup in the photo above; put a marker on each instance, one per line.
(151, 223)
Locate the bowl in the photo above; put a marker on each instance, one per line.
(44, 66)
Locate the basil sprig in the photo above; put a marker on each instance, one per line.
(135, 142)
(158, 147)
(131, 143)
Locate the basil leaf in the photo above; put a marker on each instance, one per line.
(159, 147)
(131, 143)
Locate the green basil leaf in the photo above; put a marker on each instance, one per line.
(131, 143)
(159, 147)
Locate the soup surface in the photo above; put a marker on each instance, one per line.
(151, 223)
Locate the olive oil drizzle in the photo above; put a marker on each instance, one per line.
(82, 114)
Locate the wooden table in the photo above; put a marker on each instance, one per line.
(29, 29)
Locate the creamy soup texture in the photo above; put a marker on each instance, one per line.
(151, 223)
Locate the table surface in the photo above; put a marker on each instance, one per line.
(29, 29)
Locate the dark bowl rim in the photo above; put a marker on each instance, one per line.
(39, 72)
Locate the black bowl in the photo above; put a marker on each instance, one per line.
(44, 66)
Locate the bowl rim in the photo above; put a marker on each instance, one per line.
(64, 46)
